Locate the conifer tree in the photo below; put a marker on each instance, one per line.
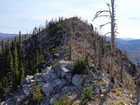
(10, 65)
(5, 81)
(37, 62)
(3, 46)
(20, 37)
(22, 74)
(15, 68)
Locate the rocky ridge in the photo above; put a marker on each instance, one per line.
(55, 81)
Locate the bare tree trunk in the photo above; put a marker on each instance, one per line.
(99, 54)
(138, 92)
(84, 46)
(109, 88)
(111, 14)
(71, 41)
(137, 83)
(70, 47)
(95, 51)
(112, 41)
(121, 71)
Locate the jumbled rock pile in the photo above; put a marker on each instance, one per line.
(54, 82)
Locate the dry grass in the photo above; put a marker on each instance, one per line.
(117, 91)
(121, 102)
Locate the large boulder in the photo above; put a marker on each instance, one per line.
(57, 69)
(69, 67)
(55, 98)
(38, 78)
(77, 80)
(68, 78)
(60, 71)
(49, 76)
(47, 69)
(96, 89)
(58, 82)
(68, 89)
(47, 89)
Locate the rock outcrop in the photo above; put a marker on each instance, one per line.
(54, 82)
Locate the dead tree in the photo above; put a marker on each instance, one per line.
(137, 83)
(95, 49)
(101, 51)
(111, 14)
(121, 71)
(71, 44)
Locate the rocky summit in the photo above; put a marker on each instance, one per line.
(65, 63)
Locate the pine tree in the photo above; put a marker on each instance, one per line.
(10, 65)
(3, 46)
(15, 68)
(10, 59)
(22, 75)
(37, 62)
(4, 81)
(20, 37)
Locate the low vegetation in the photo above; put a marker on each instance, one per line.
(80, 67)
(88, 93)
(37, 96)
(64, 100)
(87, 96)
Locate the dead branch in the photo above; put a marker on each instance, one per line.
(100, 12)
(109, 7)
(104, 24)
(107, 33)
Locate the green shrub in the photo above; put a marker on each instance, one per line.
(63, 100)
(80, 67)
(87, 60)
(37, 96)
(88, 93)
(85, 77)
(27, 102)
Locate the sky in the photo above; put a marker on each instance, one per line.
(24, 15)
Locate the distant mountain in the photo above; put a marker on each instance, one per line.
(132, 47)
(127, 39)
(129, 44)
(6, 35)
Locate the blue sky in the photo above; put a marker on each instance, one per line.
(24, 15)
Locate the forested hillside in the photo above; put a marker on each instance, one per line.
(131, 47)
